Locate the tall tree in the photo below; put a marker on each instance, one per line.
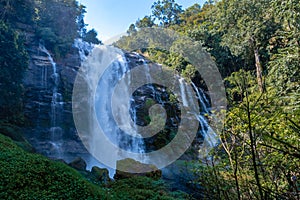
(167, 12)
(132, 30)
(80, 21)
(91, 37)
(247, 27)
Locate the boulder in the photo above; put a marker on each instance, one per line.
(100, 174)
(78, 163)
(128, 168)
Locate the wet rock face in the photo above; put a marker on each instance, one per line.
(142, 100)
(39, 83)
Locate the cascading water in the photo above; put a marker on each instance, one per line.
(56, 108)
(44, 76)
(203, 101)
(102, 73)
(183, 91)
(84, 48)
(205, 131)
(103, 104)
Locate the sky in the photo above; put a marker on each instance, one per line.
(111, 18)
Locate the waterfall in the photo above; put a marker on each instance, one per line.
(44, 76)
(104, 81)
(205, 131)
(204, 103)
(56, 108)
(84, 48)
(183, 92)
(105, 89)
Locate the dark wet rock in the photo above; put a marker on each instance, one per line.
(38, 95)
(100, 174)
(78, 164)
(127, 168)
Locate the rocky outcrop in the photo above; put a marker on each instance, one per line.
(127, 168)
(100, 175)
(78, 163)
(54, 139)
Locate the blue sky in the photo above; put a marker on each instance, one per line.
(113, 17)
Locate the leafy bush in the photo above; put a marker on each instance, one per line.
(31, 176)
(143, 188)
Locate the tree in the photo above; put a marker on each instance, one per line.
(247, 27)
(266, 134)
(12, 11)
(58, 18)
(284, 65)
(80, 21)
(167, 12)
(91, 37)
(131, 30)
(190, 14)
(146, 22)
(13, 62)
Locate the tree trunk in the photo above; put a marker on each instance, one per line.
(235, 176)
(258, 70)
(253, 150)
(258, 65)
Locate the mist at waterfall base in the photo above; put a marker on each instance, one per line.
(123, 128)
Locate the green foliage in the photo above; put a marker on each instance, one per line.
(143, 188)
(131, 30)
(169, 59)
(164, 53)
(258, 156)
(91, 37)
(58, 24)
(11, 131)
(80, 21)
(13, 62)
(189, 72)
(167, 12)
(15, 133)
(245, 23)
(259, 151)
(265, 122)
(190, 14)
(20, 11)
(31, 176)
(146, 22)
(285, 64)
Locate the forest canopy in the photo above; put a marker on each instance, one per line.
(256, 46)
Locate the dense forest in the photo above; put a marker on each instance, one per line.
(256, 46)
